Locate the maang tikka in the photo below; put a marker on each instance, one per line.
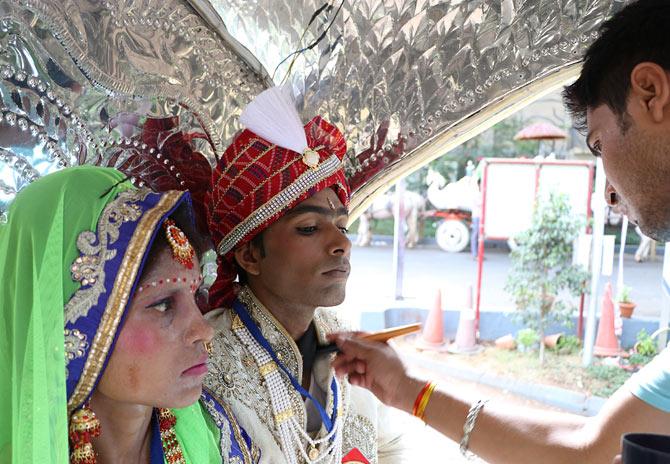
(182, 250)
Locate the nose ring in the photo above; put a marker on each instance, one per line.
(208, 347)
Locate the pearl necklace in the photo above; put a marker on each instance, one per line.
(294, 440)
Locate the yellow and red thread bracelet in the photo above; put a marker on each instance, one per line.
(422, 399)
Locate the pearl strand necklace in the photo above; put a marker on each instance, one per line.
(290, 431)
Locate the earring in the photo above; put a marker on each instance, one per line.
(84, 425)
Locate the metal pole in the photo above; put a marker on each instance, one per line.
(480, 245)
(618, 321)
(622, 248)
(580, 321)
(598, 204)
(589, 196)
(398, 239)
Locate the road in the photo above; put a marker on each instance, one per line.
(428, 268)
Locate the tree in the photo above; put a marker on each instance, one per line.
(542, 271)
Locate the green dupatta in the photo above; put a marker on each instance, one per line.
(37, 247)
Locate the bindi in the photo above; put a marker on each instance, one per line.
(193, 284)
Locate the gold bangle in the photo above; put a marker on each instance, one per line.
(425, 398)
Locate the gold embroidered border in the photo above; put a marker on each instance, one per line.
(258, 310)
(116, 304)
(235, 426)
(232, 420)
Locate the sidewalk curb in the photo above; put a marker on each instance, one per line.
(578, 403)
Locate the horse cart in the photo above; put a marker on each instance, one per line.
(452, 233)
(450, 204)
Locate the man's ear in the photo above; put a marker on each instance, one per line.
(650, 89)
(248, 257)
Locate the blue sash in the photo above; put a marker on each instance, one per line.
(255, 332)
(156, 455)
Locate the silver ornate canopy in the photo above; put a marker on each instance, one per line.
(91, 81)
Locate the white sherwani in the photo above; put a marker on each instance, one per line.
(369, 427)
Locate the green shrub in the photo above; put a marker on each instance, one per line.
(637, 359)
(568, 344)
(527, 338)
(645, 344)
(613, 375)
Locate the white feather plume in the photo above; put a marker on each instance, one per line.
(273, 116)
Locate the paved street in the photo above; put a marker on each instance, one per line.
(427, 268)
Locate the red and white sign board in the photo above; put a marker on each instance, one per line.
(512, 187)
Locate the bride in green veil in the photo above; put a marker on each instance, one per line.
(102, 347)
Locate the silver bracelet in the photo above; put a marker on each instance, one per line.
(470, 425)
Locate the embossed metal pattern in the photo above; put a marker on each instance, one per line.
(78, 78)
(403, 79)
(395, 74)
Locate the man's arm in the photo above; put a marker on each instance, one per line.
(506, 435)
(502, 434)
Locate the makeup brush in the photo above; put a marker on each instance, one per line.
(380, 336)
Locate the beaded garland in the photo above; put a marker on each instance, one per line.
(295, 442)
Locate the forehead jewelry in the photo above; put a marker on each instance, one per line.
(331, 204)
(182, 250)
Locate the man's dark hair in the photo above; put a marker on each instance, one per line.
(638, 33)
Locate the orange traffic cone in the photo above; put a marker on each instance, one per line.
(432, 337)
(466, 339)
(606, 342)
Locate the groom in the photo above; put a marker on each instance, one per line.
(278, 215)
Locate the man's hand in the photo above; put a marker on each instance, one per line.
(377, 367)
